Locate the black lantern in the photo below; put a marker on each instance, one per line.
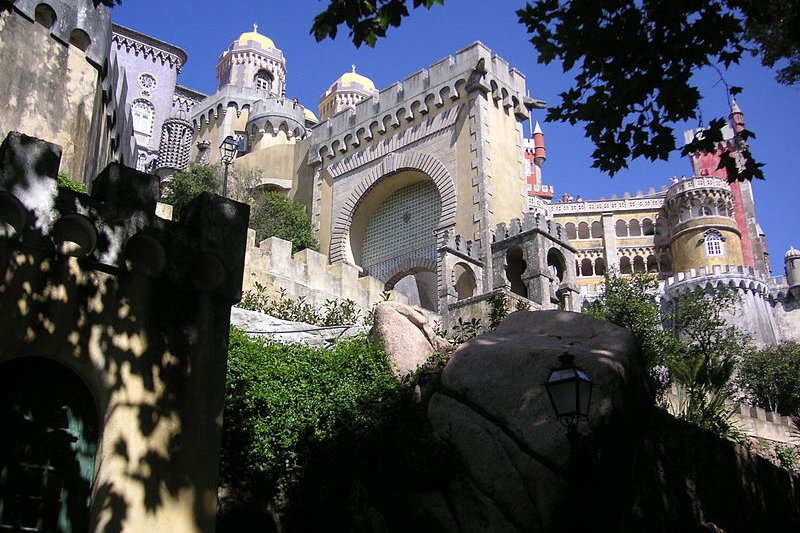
(227, 151)
(570, 391)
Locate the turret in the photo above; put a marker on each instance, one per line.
(702, 228)
(253, 61)
(791, 262)
(349, 89)
(535, 156)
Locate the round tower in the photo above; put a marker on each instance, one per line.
(253, 61)
(702, 228)
(176, 143)
(349, 89)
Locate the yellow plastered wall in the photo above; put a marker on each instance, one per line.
(689, 248)
(508, 199)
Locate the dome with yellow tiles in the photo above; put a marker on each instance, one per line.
(255, 37)
(349, 79)
(310, 116)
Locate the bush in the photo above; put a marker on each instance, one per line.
(273, 214)
(63, 181)
(300, 422)
(770, 378)
(186, 186)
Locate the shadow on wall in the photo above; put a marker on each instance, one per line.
(105, 298)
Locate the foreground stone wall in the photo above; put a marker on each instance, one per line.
(137, 308)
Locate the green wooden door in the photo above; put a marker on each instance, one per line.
(47, 451)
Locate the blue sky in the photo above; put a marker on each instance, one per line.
(204, 29)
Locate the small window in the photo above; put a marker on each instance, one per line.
(263, 81)
(705, 211)
(147, 82)
(714, 242)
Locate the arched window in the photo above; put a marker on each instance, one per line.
(569, 227)
(586, 267)
(583, 230)
(638, 264)
(79, 39)
(597, 230)
(625, 265)
(263, 80)
(621, 228)
(704, 211)
(599, 267)
(465, 284)
(714, 243)
(652, 263)
(647, 227)
(634, 229)
(516, 266)
(144, 115)
(45, 15)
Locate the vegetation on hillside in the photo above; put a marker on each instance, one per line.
(311, 434)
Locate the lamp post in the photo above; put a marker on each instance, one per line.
(570, 391)
(227, 151)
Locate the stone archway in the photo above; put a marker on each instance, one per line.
(417, 281)
(392, 166)
(47, 460)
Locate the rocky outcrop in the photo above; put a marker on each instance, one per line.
(494, 411)
(406, 336)
(257, 324)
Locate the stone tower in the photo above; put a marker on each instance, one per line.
(348, 90)
(702, 227)
(176, 143)
(253, 62)
(791, 261)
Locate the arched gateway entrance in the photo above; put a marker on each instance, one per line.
(48, 452)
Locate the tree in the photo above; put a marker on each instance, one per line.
(690, 346)
(185, 186)
(704, 367)
(632, 302)
(274, 214)
(770, 378)
(633, 61)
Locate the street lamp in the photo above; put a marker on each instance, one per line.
(227, 151)
(570, 391)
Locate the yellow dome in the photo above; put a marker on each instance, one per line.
(310, 116)
(351, 78)
(253, 36)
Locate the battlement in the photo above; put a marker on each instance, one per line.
(307, 274)
(735, 276)
(629, 202)
(116, 230)
(530, 222)
(417, 95)
(73, 21)
(461, 246)
(696, 184)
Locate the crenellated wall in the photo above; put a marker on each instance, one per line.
(753, 314)
(307, 274)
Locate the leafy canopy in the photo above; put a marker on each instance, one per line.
(632, 61)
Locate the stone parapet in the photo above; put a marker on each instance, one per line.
(531, 221)
(735, 276)
(307, 274)
(418, 95)
(697, 183)
(640, 202)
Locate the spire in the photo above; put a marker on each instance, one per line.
(537, 128)
(736, 117)
(539, 152)
(735, 107)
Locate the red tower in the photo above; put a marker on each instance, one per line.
(535, 156)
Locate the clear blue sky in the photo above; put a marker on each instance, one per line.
(204, 29)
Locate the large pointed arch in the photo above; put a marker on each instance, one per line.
(392, 164)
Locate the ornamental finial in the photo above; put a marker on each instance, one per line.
(255, 28)
(354, 68)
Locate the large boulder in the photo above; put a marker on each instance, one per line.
(494, 410)
(406, 336)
